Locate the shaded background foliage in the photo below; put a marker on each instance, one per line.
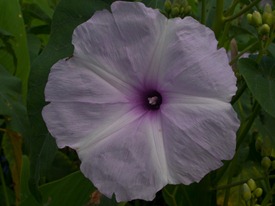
(34, 34)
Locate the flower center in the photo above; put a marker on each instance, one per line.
(153, 100)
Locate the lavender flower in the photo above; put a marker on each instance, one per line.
(144, 101)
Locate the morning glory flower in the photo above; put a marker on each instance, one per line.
(144, 101)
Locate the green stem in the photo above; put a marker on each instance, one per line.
(4, 187)
(239, 93)
(222, 187)
(245, 127)
(203, 11)
(267, 183)
(268, 196)
(218, 23)
(264, 45)
(243, 11)
(224, 35)
(241, 134)
(172, 196)
(261, 53)
(230, 11)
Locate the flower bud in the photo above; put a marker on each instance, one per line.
(182, 12)
(258, 192)
(264, 29)
(266, 163)
(175, 11)
(267, 8)
(257, 18)
(258, 144)
(268, 18)
(167, 6)
(251, 184)
(246, 192)
(187, 9)
(249, 18)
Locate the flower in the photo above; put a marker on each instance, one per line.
(144, 101)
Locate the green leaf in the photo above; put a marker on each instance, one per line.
(14, 113)
(11, 105)
(12, 144)
(266, 128)
(61, 166)
(75, 190)
(11, 21)
(34, 45)
(182, 195)
(260, 80)
(6, 45)
(68, 14)
(26, 195)
(33, 10)
(43, 5)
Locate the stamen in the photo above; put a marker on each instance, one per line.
(153, 100)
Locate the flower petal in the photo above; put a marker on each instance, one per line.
(130, 162)
(73, 81)
(114, 41)
(192, 63)
(73, 122)
(197, 137)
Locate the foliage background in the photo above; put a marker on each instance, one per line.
(34, 34)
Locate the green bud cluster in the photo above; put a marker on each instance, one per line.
(177, 8)
(250, 191)
(246, 192)
(266, 163)
(259, 144)
(263, 22)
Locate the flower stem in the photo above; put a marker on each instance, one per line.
(203, 11)
(243, 11)
(231, 9)
(224, 35)
(218, 23)
(241, 134)
(222, 187)
(245, 127)
(172, 196)
(239, 93)
(268, 196)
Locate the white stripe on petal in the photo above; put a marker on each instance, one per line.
(128, 163)
(197, 138)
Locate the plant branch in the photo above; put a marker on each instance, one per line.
(218, 23)
(241, 134)
(243, 11)
(203, 11)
